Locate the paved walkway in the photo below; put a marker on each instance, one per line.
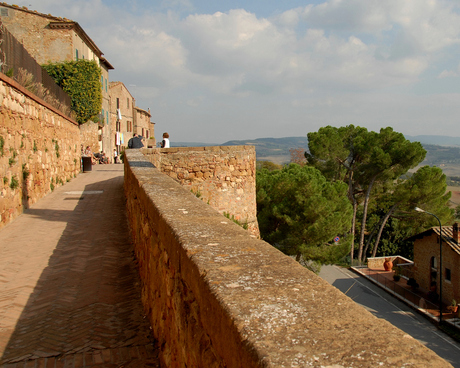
(69, 291)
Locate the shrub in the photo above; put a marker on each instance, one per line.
(14, 182)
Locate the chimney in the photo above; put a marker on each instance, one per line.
(455, 232)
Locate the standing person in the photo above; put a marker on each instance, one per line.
(115, 156)
(165, 141)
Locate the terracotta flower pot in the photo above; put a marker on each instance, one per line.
(388, 265)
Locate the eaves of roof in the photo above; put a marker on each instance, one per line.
(447, 236)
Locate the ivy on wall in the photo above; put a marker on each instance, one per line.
(81, 80)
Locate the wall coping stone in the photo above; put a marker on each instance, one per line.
(273, 312)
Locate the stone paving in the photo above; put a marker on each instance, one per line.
(69, 290)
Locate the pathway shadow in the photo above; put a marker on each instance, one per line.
(88, 297)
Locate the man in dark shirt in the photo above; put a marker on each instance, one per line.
(135, 142)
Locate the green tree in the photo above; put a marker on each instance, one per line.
(362, 159)
(81, 80)
(298, 209)
(270, 166)
(390, 155)
(426, 188)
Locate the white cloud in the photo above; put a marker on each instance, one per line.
(447, 74)
(236, 67)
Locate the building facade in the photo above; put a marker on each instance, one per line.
(51, 39)
(142, 124)
(427, 271)
(121, 115)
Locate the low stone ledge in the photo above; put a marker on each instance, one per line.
(217, 297)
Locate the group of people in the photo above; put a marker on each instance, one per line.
(96, 158)
(134, 142)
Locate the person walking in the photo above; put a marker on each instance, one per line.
(165, 141)
(115, 156)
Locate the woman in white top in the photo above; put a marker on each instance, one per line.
(165, 141)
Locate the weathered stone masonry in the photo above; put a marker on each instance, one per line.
(40, 149)
(222, 176)
(217, 297)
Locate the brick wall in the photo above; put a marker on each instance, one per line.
(41, 149)
(222, 176)
(217, 297)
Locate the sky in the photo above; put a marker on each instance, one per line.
(213, 70)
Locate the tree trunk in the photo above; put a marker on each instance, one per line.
(384, 222)
(363, 225)
(368, 242)
(353, 221)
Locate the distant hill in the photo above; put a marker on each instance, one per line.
(439, 140)
(442, 151)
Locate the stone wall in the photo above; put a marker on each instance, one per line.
(39, 149)
(222, 176)
(217, 297)
(89, 136)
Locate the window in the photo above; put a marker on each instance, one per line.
(103, 115)
(4, 12)
(448, 274)
(143, 132)
(107, 115)
(76, 54)
(102, 82)
(106, 84)
(118, 103)
(127, 103)
(147, 134)
(129, 126)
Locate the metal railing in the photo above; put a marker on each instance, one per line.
(14, 57)
(415, 299)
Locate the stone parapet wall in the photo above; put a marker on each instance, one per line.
(222, 176)
(377, 262)
(39, 149)
(217, 297)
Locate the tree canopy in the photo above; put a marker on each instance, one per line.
(362, 159)
(298, 209)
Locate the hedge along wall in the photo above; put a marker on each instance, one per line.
(222, 176)
(39, 149)
(217, 297)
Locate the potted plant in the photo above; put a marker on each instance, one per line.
(397, 274)
(412, 283)
(453, 306)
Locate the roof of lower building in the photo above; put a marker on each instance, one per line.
(447, 236)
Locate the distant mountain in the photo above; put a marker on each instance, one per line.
(440, 149)
(438, 140)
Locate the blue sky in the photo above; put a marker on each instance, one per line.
(214, 70)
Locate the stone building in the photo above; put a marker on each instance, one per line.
(53, 39)
(426, 261)
(126, 118)
(142, 124)
(121, 115)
